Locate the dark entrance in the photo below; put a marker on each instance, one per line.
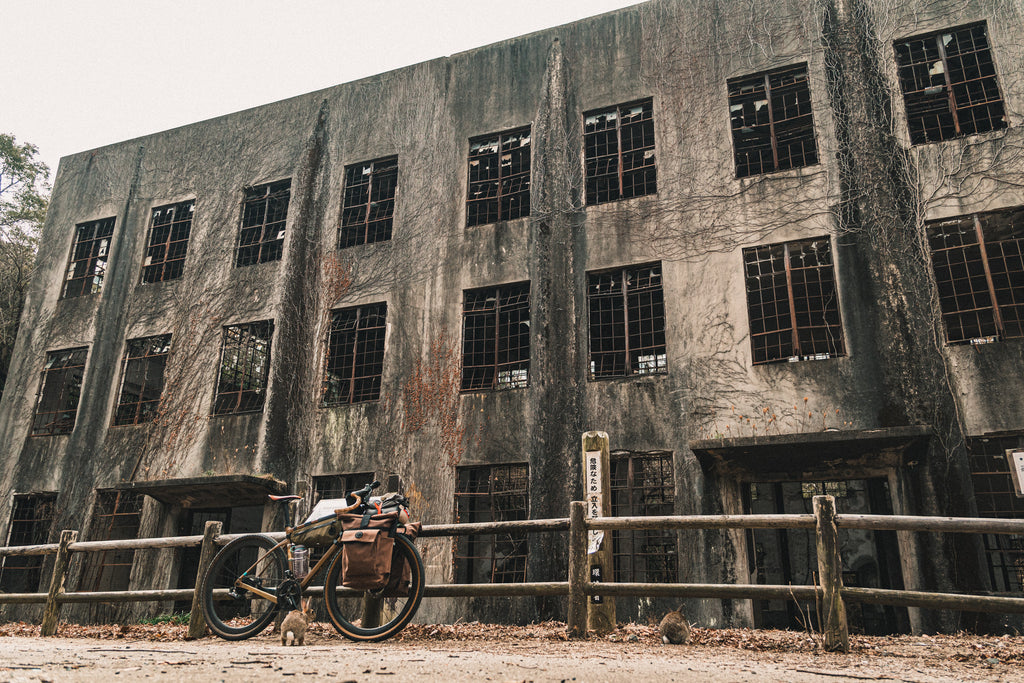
(236, 520)
(787, 556)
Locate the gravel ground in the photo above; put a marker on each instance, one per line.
(475, 652)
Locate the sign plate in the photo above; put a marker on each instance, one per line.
(594, 497)
(1016, 461)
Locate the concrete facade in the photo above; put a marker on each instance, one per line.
(894, 409)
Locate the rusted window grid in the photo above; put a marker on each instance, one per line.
(978, 262)
(491, 493)
(88, 262)
(244, 368)
(116, 516)
(169, 230)
(772, 122)
(792, 301)
(496, 337)
(643, 484)
(60, 388)
(142, 379)
(355, 354)
(31, 520)
(369, 203)
(996, 497)
(619, 152)
(627, 322)
(949, 84)
(264, 215)
(499, 177)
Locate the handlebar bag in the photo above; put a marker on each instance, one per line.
(367, 546)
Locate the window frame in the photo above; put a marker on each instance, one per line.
(143, 410)
(816, 319)
(466, 559)
(165, 268)
(61, 426)
(258, 200)
(87, 262)
(995, 496)
(384, 222)
(261, 382)
(808, 155)
(626, 541)
(112, 505)
(507, 320)
(360, 351)
(24, 531)
(503, 199)
(593, 160)
(630, 327)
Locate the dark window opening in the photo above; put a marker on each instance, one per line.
(264, 214)
(491, 493)
(167, 246)
(643, 484)
(496, 337)
(619, 145)
(244, 368)
(355, 354)
(627, 322)
(328, 486)
(88, 262)
(115, 517)
(369, 204)
(499, 178)
(60, 388)
(793, 302)
(949, 84)
(995, 495)
(772, 124)
(235, 520)
(142, 379)
(31, 520)
(979, 271)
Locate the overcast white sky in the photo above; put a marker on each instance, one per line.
(78, 74)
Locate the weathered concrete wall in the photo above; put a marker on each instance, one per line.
(680, 53)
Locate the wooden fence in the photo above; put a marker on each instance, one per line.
(830, 594)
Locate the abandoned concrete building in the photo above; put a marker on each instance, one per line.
(772, 248)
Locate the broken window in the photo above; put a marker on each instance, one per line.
(949, 84)
(244, 368)
(772, 124)
(496, 337)
(88, 262)
(167, 245)
(338, 485)
(369, 206)
(793, 302)
(979, 270)
(264, 213)
(491, 493)
(996, 497)
(142, 379)
(643, 484)
(619, 145)
(355, 354)
(60, 388)
(499, 177)
(115, 517)
(31, 520)
(627, 322)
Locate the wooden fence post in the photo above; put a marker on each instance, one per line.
(196, 620)
(835, 634)
(576, 621)
(51, 613)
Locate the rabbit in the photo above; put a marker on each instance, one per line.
(293, 628)
(674, 628)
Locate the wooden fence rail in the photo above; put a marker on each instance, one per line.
(830, 594)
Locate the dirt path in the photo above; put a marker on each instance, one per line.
(502, 653)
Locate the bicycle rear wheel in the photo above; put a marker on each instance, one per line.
(235, 613)
(375, 615)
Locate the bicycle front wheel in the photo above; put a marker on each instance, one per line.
(375, 615)
(232, 612)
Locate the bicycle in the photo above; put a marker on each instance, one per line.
(251, 579)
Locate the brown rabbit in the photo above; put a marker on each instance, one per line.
(293, 628)
(674, 628)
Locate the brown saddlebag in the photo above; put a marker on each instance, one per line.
(398, 583)
(367, 545)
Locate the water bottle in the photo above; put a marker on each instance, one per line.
(300, 561)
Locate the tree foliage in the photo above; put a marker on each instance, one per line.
(24, 195)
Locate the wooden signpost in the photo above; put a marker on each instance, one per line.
(597, 495)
